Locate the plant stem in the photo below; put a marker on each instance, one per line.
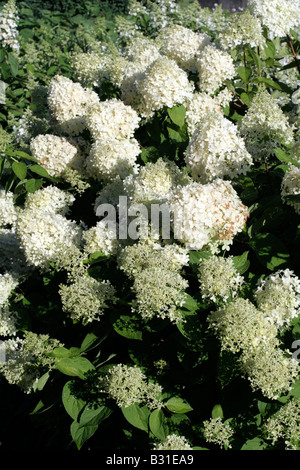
(294, 53)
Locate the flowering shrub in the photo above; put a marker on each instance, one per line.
(149, 226)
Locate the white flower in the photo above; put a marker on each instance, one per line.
(207, 214)
(214, 67)
(216, 150)
(290, 186)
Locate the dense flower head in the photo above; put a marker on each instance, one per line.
(284, 425)
(128, 385)
(95, 69)
(207, 214)
(68, 102)
(162, 84)
(269, 369)
(290, 186)
(278, 296)
(279, 16)
(158, 285)
(86, 298)
(27, 359)
(154, 182)
(218, 278)
(111, 119)
(142, 51)
(9, 26)
(102, 238)
(182, 45)
(240, 325)
(110, 158)
(217, 432)
(214, 67)
(245, 29)
(265, 126)
(8, 318)
(54, 153)
(201, 104)
(51, 199)
(8, 210)
(45, 235)
(216, 150)
(173, 442)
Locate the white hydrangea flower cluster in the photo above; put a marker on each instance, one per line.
(173, 442)
(68, 102)
(8, 210)
(240, 326)
(154, 182)
(284, 425)
(214, 66)
(128, 385)
(86, 298)
(51, 199)
(216, 150)
(290, 186)
(158, 285)
(27, 359)
(279, 16)
(9, 26)
(265, 126)
(269, 369)
(243, 328)
(245, 29)
(54, 153)
(182, 45)
(8, 319)
(278, 296)
(207, 215)
(90, 68)
(218, 278)
(114, 151)
(141, 52)
(163, 83)
(101, 238)
(202, 103)
(45, 234)
(216, 431)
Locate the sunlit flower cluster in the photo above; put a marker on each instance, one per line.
(68, 102)
(245, 29)
(214, 67)
(216, 150)
(207, 214)
(218, 278)
(173, 442)
(27, 359)
(265, 126)
(218, 432)
(279, 16)
(9, 26)
(128, 385)
(284, 425)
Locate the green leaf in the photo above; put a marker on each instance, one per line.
(158, 425)
(217, 412)
(178, 405)
(80, 434)
(88, 341)
(270, 250)
(270, 49)
(245, 73)
(33, 185)
(19, 169)
(39, 170)
(74, 366)
(40, 384)
(137, 415)
(72, 404)
(254, 444)
(94, 416)
(13, 63)
(269, 82)
(126, 325)
(177, 115)
(19, 153)
(241, 263)
(257, 59)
